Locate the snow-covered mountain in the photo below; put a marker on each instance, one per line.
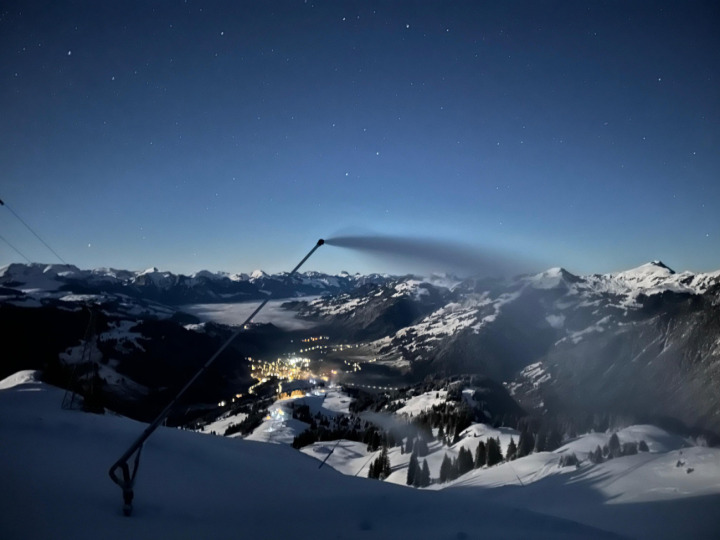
(644, 341)
(175, 289)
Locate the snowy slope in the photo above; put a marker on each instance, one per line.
(279, 426)
(681, 481)
(423, 402)
(55, 485)
(671, 492)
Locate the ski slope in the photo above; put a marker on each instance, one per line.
(671, 492)
(54, 467)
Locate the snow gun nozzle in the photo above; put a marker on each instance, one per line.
(320, 242)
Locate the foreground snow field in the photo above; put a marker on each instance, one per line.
(54, 467)
(669, 493)
(55, 485)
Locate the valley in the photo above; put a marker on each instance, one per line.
(580, 398)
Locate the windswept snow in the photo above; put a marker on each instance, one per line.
(670, 492)
(54, 467)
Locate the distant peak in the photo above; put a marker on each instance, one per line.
(648, 274)
(560, 272)
(652, 267)
(660, 264)
(207, 274)
(553, 278)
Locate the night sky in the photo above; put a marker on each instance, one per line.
(232, 135)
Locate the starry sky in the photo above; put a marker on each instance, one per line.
(232, 135)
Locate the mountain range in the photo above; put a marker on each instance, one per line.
(644, 343)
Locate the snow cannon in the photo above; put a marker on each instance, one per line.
(124, 470)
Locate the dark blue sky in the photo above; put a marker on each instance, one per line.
(232, 135)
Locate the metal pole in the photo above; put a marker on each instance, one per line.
(122, 464)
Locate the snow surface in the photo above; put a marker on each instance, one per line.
(423, 402)
(219, 426)
(54, 465)
(674, 479)
(644, 496)
(26, 376)
(337, 401)
(279, 427)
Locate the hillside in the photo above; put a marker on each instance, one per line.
(54, 465)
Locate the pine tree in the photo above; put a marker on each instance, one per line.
(412, 473)
(629, 448)
(643, 447)
(465, 461)
(494, 454)
(380, 467)
(372, 438)
(596, 456)
(424, 480)
(445, 469)
(526, 443)
(384, 467)
(567, 460)
(614, 446)
(376, 441)
(480, 455)
(511, 451)
(372, 471)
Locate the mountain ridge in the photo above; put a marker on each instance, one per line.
(625, 341)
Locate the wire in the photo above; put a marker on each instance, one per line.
(122, 464)
(2, 203)
(14, 248)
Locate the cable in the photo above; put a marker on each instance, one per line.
(122, 465)
(2, 203)
(15, 249)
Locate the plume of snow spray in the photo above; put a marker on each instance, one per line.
(436, 255)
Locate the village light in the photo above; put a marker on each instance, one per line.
(122, 472)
